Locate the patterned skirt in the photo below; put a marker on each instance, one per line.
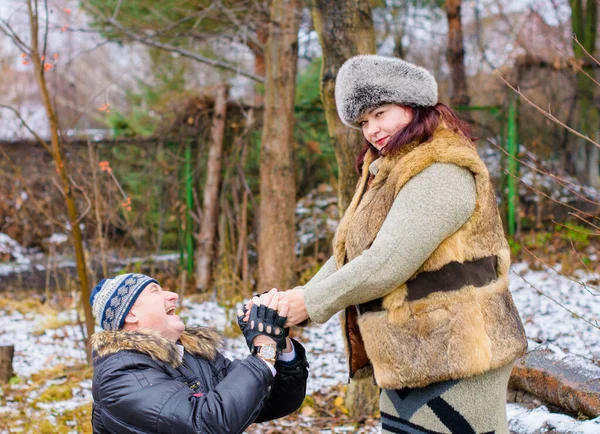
(475, 405)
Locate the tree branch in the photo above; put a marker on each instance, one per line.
(548, 114)
(584, 50)
(38, 138)
(183, 52)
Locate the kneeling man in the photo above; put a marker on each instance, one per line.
(154, 375)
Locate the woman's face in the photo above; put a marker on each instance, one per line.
(379, 124)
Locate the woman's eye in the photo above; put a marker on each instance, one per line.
(362, 123)
(378, 114)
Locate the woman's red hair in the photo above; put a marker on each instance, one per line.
(421, 128)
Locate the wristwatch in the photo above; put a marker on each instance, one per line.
(267, 352)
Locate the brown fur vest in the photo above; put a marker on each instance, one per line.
(451, 329)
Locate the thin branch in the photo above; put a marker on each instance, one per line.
(240, 25)
(30, 193)
(38, 138)
(45, 30)
(548, 114)
(560, 273)
(591, 272)
(116, 12)
(6, 28)
(584, 220)
(575, 230)
(585, 51)
(594, 358)
(576, 64)
(183, 52)
(575, 315)
(561, 181)
(89, 202)
(548, 197)
(195, 56)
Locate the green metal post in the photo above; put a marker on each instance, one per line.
(513, 168)
(189, 199)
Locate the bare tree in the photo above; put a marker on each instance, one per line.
(345, 29)
(277, 175)
(37, 55)
(210, 208)
(456, 54)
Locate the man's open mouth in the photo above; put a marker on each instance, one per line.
(171, 310)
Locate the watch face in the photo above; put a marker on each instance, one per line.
(268, 352)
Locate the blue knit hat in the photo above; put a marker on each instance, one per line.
(112, 298)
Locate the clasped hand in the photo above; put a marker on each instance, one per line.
(263, 319)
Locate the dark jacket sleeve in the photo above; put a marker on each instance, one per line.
(289, 389)
(138, 396)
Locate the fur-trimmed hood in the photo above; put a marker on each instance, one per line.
(199, 341)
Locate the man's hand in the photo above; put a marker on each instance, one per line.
(297, 309)
(267, 318)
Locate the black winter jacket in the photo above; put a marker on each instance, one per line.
(140, 385)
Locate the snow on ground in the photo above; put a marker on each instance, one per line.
(545, 322)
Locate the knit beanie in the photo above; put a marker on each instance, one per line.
(368, 81)
(112, 298)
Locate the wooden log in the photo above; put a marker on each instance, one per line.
(567, 381)
(7, 353)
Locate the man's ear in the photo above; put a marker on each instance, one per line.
(131, 318)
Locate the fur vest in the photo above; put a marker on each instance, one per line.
(455, 317)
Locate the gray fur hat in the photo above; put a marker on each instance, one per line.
(368, 81)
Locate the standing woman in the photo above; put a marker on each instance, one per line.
(420, 262)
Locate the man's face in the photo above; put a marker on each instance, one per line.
(155, 309)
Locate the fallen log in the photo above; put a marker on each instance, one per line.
(569, 382)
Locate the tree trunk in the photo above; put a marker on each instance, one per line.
(276, 256)
(594, 164)
(61, 167)
(262, 34)
(7, 353)
(456, 55)
(584, 21)
(210, 205)
(345, 29)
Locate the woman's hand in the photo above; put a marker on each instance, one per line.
(297, 309)
(267, 316)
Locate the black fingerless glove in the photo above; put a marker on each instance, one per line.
(263, 321)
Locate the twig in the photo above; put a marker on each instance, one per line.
(185, 53)
(548, 114)
(575, 315)
(89, 202)
(38, 138)
(116, 12)
(594, 358)
(583, 263)
(548, 197)
(575, 230)
(561, 181)
(584, 220)
(45, 29)
(585, 51)
(576, 64)
(6, 28)
(31, 194)
(560, 273)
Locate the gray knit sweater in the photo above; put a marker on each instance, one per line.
(428, 209)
